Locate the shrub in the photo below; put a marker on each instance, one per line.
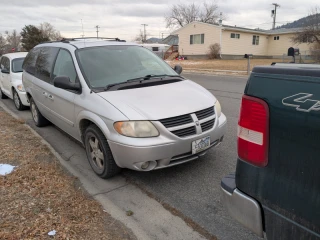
(214, 51)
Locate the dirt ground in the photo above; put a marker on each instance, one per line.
(213, 65)
(39, 196)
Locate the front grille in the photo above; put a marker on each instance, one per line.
(176, 124)
(208, 112)
(176, 121)
(207, 125)
(185, 132)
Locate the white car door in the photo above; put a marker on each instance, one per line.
(5, 76)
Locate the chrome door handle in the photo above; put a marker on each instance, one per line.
(50, 97)
(45, 94)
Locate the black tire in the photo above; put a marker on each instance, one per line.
(37, 117)
(107, 167)
(2, 95)
(17, 101)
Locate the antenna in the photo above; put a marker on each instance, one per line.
(84, 42)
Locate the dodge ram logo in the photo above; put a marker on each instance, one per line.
(302, 102)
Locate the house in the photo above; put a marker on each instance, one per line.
(196, 37)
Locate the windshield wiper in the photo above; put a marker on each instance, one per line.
(151, 76)
(147, 77)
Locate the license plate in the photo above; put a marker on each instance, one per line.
(200, 145)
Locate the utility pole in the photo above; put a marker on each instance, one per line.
(97, 27)
(274, 14)
(145, 35)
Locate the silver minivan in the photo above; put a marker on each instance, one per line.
(127, 106)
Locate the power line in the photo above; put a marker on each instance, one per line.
(274, 14)
(97, 27)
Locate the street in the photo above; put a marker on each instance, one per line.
(193, 188)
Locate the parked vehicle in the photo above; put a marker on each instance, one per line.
(11, 79)
(276, 187)
(128, 107)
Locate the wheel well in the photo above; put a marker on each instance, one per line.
(29, 96)
(83, 125)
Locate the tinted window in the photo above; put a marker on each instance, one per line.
(30, 61)
(64, 66)
(17, 65)
(45, 63)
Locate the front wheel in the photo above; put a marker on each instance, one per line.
(37, 117)
(99, 153)
(17, 101)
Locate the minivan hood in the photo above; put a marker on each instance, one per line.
(161, 101)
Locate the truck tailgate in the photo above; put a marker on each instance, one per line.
(288, 188)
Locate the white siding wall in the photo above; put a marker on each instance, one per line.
(280, 47)
(234, 46)
(211, 36)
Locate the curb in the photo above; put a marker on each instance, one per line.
(150, 220)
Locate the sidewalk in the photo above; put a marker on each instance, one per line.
(131, 213)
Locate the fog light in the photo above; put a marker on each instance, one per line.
(145, 165)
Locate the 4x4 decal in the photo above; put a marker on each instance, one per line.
(302, 102)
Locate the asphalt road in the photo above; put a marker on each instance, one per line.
(192, 188)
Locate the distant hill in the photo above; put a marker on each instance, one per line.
(154, 40)
(299, 23)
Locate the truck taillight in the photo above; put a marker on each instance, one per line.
(253, 131)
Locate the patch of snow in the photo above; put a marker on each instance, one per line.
(6, 169)
(52, 233)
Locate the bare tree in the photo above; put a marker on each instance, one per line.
(13, 40)
(311, 33)
(50, 32)
(182, 14)
(311, 29)
(140, 37)
(2, 44)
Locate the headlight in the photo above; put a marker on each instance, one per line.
(137, 129)
(20, 88)
(218, 108)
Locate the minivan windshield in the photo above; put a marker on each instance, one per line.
(17, 65)
(105, 65)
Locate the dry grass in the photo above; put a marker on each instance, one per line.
(213, 65)
(39, 196)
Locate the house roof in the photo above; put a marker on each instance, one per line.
(242, 29)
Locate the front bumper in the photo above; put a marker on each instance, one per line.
(23, 97)
(241, 207)
(164, 151)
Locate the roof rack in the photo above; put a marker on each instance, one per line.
(296, 65)
(67, 40)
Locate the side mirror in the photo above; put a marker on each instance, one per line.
(177, 69)
(5, 71)
(64, 82)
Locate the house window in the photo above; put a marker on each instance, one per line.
(276, 38)
(197, 39)
(235, 35)
(155, 49)
(255, 40)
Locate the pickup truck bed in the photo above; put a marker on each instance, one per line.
(278, 191)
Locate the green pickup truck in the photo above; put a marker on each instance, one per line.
(275, 191)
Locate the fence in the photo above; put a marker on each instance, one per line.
(308, 56)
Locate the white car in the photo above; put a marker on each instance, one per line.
(11, 79)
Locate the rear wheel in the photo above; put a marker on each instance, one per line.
(99, 153)
(37, 117)
(17, 101)
(2, 95)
